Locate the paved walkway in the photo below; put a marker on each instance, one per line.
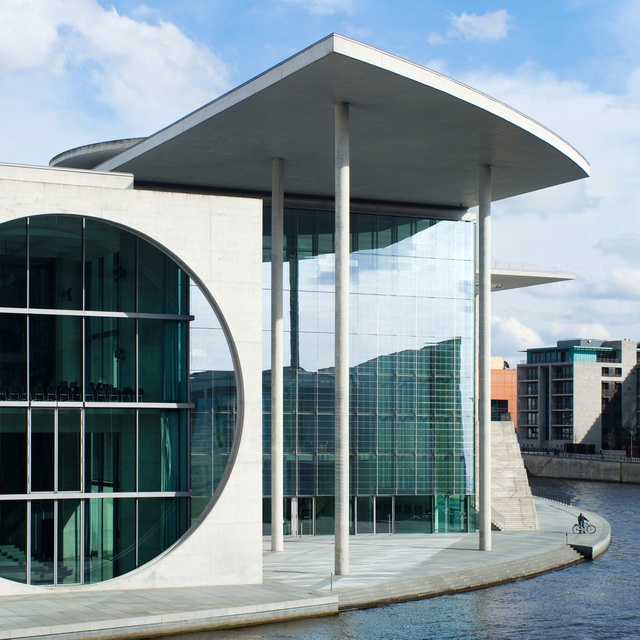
(298, 582)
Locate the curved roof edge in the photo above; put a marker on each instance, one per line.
(342, 45)
(90, 156)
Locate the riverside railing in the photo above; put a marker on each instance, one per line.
(617, 457)
(552, 494)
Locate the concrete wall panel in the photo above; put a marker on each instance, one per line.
(220, 240)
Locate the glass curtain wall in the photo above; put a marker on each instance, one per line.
(101, 385)
(412, 370)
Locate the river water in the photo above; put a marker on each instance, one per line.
(597, 600)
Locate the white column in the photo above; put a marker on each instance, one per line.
(342, 340)
(277, 215)
(484, 357)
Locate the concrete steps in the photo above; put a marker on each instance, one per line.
(512, 503)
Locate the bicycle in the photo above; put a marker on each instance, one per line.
(588, 528)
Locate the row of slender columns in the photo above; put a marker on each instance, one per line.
(342, 236)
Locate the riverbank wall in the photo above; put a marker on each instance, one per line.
(543, 465)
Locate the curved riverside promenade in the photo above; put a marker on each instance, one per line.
(298, 582)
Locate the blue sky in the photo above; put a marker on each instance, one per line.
(73, 72)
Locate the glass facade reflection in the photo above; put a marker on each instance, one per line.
(118, 401)
(412, 373)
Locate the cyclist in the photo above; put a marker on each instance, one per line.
(582, 522)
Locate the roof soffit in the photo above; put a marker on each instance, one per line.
(416, 136)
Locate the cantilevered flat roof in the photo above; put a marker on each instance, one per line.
(504, 278)
(417, 137)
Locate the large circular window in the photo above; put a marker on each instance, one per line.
(118, 400)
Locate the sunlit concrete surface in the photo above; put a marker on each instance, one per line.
(298, 582)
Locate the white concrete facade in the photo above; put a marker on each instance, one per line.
(219, 240)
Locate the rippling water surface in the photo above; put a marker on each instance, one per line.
(597, 600)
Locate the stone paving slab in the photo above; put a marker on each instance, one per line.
(298, 582)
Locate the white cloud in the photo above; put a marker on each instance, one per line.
(92, 71)
(589, 227)
(323, 7)
(592, 330)
(624, 245)
(510, 336)
(435, 39)
(494, 25)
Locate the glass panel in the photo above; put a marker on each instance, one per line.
(364, 509)
(325, 508)
(69, 536)
(412, 332)
(440, 514)
(55, 358)
(458, 514)
(13, 365)
(161, 522)
(110, 538)
(42, 541)
(162, 369)
(55, 262)
(162, 448)
(42, 451)
(111, 360)
(110, 450)
(68, 450)
(266, 516)
(13, 540)
(214, 398)
(13, 447)
(384, 515)
(13, 264)
(110, 267)
(162, 285)
(413, 515)
(305, 516)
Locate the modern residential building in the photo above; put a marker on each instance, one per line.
(176, 323)
(581, 395)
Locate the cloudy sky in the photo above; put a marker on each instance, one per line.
(73, 72)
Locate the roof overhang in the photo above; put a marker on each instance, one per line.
(416, 136)
(505, 279)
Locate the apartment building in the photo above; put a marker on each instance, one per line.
(580, 392)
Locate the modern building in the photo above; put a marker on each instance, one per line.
(504, 391)
(581, 395)
(143, 422)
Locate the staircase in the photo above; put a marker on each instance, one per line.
(512, 503)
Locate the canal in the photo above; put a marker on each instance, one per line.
(597, 600)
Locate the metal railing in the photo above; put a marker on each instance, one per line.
(616, 457)
(552, 494)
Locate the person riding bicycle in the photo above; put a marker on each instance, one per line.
(582, 522)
